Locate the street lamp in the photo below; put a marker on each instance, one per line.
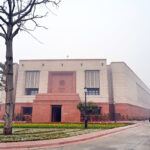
(85, 116)
(114, 112)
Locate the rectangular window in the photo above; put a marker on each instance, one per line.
(99, 110)
(31, 82)
(92, 91)
(92, 82)
(27, 110)
(31, 91)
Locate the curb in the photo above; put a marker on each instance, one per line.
(63, 141)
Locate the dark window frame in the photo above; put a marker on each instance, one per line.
(27, 110)
(31, 91)
(93, 91)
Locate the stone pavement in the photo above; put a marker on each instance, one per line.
(63, 141)
(132, 139)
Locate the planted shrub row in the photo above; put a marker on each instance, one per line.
(69, 125)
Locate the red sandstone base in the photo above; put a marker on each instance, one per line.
(132, 111)
(42, 110)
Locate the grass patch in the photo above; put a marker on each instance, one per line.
(41, 134)
(32, 132)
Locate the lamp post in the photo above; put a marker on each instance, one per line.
(85, 116)
(114, 107)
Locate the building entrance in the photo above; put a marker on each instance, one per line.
(56, 113)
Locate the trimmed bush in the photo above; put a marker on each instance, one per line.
(69, 125)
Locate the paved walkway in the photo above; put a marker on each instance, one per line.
(62, 141)
(132, 139)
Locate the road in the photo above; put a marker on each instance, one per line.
(132, 139)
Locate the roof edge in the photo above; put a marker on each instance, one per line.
(62, 59)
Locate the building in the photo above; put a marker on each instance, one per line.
(49, 90)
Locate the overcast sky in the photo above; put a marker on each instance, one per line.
(116, 30)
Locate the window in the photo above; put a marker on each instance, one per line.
(27, 110)
(31, 91)
(92, 91)
(31, 82)
(92, 82)
(99, 110)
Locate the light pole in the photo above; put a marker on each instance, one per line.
(85, 116)
(114, 107)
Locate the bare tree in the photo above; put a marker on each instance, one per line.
(2, 76)
(14, 14)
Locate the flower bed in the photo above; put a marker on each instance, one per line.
(69, 125)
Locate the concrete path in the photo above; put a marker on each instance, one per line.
(131, 139)
(73, 140)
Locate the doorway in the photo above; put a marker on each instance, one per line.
(56, 113)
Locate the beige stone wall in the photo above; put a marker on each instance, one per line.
(15, 78)
(110, 84)
(2, 97)
(77, 65)
(127, 87)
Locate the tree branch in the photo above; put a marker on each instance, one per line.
(3, 35)
(34, 17)
(2, 10)
(30, 7)
(27, 30)
(46, 1)
(36, 25)
(3, 20)
(10, 11)
(1, 26)
(14, 5)
(16, 32)
(23, 10)
(26, 13)
(9, 4)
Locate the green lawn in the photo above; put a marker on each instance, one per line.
(32, 132)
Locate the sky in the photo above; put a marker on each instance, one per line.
(116, 30)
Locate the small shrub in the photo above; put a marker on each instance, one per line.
(19, 117)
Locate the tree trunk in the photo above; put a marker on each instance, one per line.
(9, 88)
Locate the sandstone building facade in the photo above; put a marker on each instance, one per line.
(49, 90)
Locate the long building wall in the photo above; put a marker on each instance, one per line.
(130, 95)
(128, 88)
(120, 90)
